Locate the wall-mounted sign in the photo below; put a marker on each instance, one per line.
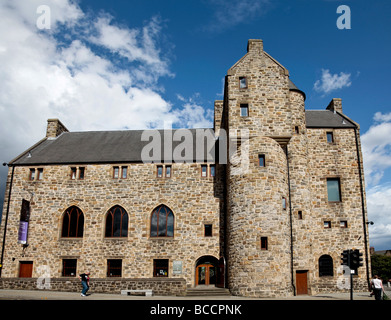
(177, 267)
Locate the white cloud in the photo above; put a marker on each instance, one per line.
(230, 13)
(86, 70)
(376, 144)
(379, 203)
(330, 82)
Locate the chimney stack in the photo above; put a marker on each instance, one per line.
(335, 105)
(55, 128)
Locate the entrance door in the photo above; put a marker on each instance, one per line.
(205, 274)
(301, 282)
(25, 269)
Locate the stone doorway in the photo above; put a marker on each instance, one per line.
(206, 271)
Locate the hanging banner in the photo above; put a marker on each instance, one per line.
(24, 222)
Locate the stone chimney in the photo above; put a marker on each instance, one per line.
(218, 115)
(55, 128)
(335, 105)
(255, 45)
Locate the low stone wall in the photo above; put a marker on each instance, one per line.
(160, 286)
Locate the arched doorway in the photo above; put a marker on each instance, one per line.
(206, 271)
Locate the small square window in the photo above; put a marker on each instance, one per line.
(300, 215)
(40, 174)
(327, 224)
(124, 173)
(242, 82)
(69, 267)
(208, 230)
(261, 160)
(32, 174)
(160, 267)
(330, 137)
(343, 224)
(204, 170)
(160, 171)
(73, 173)
(212, 170)
(284, 203)
(115, 172)
(264, 245)
(114, 267)
(168, 171)
(244, 110)
(81, 173)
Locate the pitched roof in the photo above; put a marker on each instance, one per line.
(117, 147)
(327, 119)
(128, 145)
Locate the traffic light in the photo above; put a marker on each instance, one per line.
(345, 258)
(355, 259)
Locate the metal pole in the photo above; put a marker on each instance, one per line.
(6, 219)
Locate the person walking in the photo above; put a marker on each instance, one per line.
(377, 286)
(85, 282)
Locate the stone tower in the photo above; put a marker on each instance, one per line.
(264, 113)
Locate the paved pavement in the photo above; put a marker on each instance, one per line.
(56, 295)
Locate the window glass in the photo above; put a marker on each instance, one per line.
(333, 189)
(242, 82)
(114, 267)
(325, 266)
(162, 222)
(124, 172)
(244, 110)
(73, 223)
(40, 174)
(32, 174)
(69, 267)
(117, 222)
(160, 267)
(203, 170)
(330, 137)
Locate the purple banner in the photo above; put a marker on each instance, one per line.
(22, 236)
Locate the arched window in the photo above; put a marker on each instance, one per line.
(72, 223)
(162, 222)
(116, 222)
(326, 266)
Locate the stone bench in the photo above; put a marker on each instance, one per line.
(147, 292)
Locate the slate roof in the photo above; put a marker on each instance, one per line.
(114, 147)
(327, 119)
(127, 146)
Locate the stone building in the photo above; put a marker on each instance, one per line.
(262, 204)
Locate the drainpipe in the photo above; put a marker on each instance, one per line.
(6, 216)
(290, 219)
(362, 206)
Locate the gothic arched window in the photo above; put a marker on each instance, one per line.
(116, 222)
(325, 266)
(72, 223)
(162, 222)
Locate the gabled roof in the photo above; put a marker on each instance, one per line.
(117, 146)
(327, 119)
(128, 145)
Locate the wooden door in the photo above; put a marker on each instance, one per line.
(206, 274)
(301, 282)
(25, 269)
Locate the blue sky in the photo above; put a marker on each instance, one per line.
(105, 65)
